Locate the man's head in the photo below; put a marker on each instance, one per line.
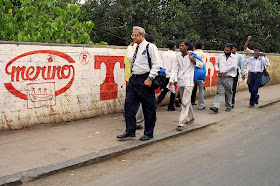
(191, 47)
(257, 48)
(171, 45)
(199, 45)
(233, 48)
(149, 38)
(183, 46)
(227, 49)
(138, 34)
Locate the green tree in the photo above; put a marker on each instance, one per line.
(43, 21)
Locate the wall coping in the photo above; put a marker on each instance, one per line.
(103, 46)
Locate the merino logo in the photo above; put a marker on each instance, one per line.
(19, 70)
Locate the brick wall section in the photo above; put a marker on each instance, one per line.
(50, 83)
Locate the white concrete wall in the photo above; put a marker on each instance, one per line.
(89, 82)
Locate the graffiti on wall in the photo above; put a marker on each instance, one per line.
(43, 93)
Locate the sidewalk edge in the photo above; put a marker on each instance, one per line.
(103, 155)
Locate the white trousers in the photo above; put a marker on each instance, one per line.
(186, 106)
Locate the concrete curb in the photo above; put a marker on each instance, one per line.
(103, 155)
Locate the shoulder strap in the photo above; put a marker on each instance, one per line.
(149, 58)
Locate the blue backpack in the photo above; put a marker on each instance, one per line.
(199, 73)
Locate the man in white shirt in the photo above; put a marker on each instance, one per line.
(225, 66)
(183, 74)
(168, 59)
(256, 67)
(139, 86)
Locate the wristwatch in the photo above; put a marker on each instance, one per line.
(151, 78)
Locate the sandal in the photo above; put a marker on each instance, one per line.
(180, 128)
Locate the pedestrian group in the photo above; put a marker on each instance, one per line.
(143, 62)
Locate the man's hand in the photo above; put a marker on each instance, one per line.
(249, 38)
(192, 58)
(243, 77)
(132, 43)
(223, 75)
(148, 82)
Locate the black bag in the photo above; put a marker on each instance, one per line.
(158, 81)
(265, 78)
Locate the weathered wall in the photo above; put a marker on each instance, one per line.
(42, 83)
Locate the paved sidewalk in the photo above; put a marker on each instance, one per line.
(28, 154)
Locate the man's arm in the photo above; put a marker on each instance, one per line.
(265, 60)
(246, 49)
(174, 71)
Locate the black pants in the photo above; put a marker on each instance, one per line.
(194, 93)
(163, 94)
(137, 92)
(234, 86)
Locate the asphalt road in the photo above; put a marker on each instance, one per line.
(244, 150)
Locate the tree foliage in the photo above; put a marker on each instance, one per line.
(43, 21)
(215, 22)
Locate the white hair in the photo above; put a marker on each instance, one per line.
(140, 29)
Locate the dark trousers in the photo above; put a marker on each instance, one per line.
(137, 92)
(163, 94)
(194, 93)
(254, 87)
(234, 87)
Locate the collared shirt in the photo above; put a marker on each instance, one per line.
(168, 59)
(256, 65)
(201, 54)
(239, 63)
(227, 66)
(183, 70)
(141, 63)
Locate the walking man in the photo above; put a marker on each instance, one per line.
(240, 68)
(226, 69)
(183, 74)
(200, 83)
(256, 67)
(168, 58)
(139, 86)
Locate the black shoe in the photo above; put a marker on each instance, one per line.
(126, 135)
(194, 103)
(257, 101)
(228, 110)
(214, 109)
(144, 138)
(177, 102)
(232, 106)
(171, 109)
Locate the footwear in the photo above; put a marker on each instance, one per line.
(257, 101)
(228, 110)
(171, 109)
(194, 103)
(190, 122)
(214, 109)
(144, 138)
(232, 106)
(180, 128)
(201, 108)
(126, 135)
(139, 127)
(177, 102)
(251, 106)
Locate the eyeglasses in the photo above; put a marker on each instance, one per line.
(135, 35)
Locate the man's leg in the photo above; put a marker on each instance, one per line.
(251, 89)
(131, 107)
(234, 87)
(219, 94)
(164, 92)
(193, 97)
(255, 89)
(171, 101)
(228, 82)
(139, 117)
(149, 109)
(200, 85)
(186, 105)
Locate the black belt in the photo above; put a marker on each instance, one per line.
(255, 72)
(141, 75)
